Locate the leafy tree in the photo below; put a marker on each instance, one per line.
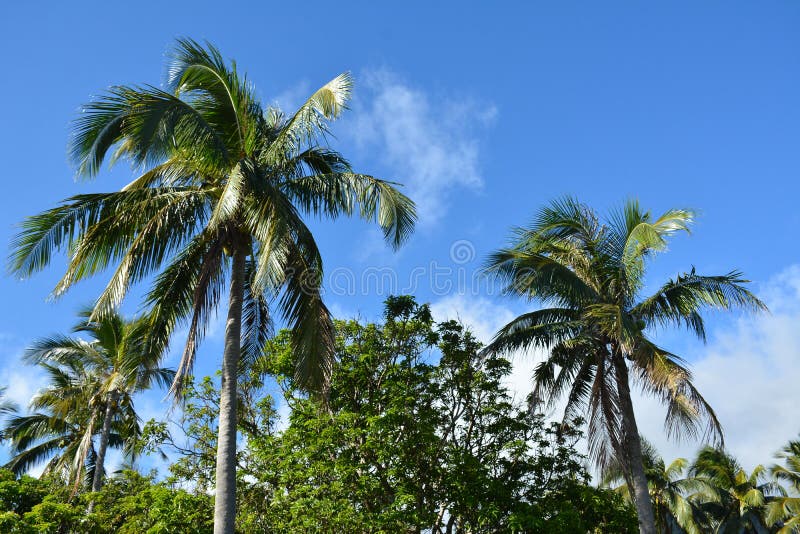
(129, 503)
(117, 365)
(224, 188)
(133, 503)
(406, 445)
(19, 495)
(590, 274)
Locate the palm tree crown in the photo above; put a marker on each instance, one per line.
(785, 506)
(673, 491)
(742, 497)
(91, 390)
(221, 198)
(596, 324)
(222, 175)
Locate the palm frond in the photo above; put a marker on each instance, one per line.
(679, 302)
(688, 414)
(538, 329)
(145, 121)
(308, 122)
(339, 193)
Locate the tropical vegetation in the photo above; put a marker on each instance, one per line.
(88, 403)
(221, 196)
(403, 424)
(596, 325)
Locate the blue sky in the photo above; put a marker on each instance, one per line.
(485, 112)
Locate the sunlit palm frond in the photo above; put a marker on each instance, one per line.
(661, 373)
(309, 121)
(341, 193)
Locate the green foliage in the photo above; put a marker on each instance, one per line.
(132, 503)
(19, 495)
(418, 433)
(785, 508)
(738, 499)
(715, 494)
(402, 443)
(128, 504)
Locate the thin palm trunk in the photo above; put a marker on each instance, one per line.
(97, 481)
(633, 451)
(225, 499)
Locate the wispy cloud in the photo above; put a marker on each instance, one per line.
(430, 143)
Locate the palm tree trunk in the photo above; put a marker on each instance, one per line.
(97, 481)
(632, 446)
(225, 495)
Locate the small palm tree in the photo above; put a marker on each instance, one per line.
(62, 426)
(672, 492)
(785, 509)
(118, 364)
(596, 325)
(224, 188)
(741, 497)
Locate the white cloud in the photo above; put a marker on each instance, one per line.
(485, 318)
(750, 374)
(22, 381)
(480, 314)
(428, 142)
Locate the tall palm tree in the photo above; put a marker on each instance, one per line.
(741, 497)
(786, 508)
(589, 275)
(224, 188)
(119, 364)
(673, 492)
(63, 425)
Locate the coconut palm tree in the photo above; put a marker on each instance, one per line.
(741, 497)
(674, 494)
(7, 407)
(786, 508)
(221, 197)
(596, 325)
(63, 424)
(118, 364)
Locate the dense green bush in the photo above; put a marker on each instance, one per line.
(130, 503)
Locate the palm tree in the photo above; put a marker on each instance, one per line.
(7, 407)
(224, 188)
(63, 425)
(119, 364)
(674, 494)
(595, 326)
(741, 496)
(786, 508)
